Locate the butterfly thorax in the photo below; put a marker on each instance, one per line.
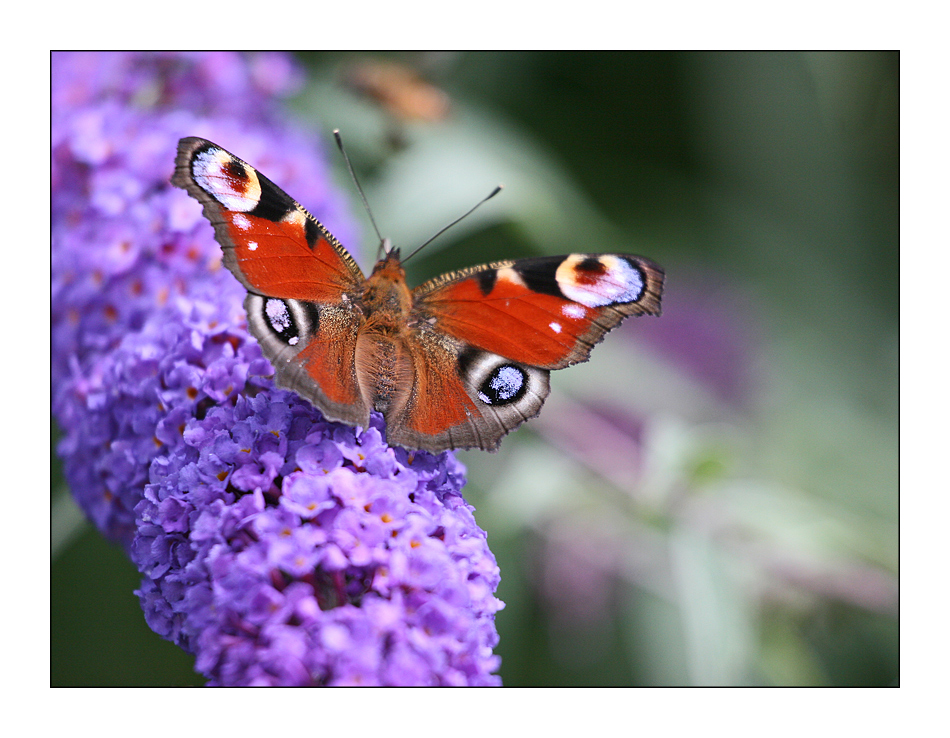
(386, 298)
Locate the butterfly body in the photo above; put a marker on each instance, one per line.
(457, 362)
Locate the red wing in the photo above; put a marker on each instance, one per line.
(547, 312)
(270, 243)
(313, 350)
(460, 396)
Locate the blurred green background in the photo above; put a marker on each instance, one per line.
(713, 498)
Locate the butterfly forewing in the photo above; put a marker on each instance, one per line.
(546, 312)
(270, 242)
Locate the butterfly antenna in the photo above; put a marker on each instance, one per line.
(339, 143)
(494, 192)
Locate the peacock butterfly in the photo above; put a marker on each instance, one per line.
(457, 362)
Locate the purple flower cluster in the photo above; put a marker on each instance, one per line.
(223, 85)
(276, 546)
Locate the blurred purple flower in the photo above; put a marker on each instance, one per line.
(223, 84)
(710, 329)
(277, 547)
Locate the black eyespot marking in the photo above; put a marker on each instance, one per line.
(486, 280)
(312, 316)
(274, 203)
(466, 358)
(236, 171)
(280, 319)
(506, 384)
(591, 265)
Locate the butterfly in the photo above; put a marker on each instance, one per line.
(457, 362)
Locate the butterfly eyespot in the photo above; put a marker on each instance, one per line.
(226, 179)
(278, 316)
(505, 384)
(287, 322)
(595, 281)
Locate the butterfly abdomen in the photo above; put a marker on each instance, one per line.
(384, 370)
(386, 299)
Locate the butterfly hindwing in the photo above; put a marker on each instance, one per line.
(312, 348)
(460, 396)
(298, 276)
